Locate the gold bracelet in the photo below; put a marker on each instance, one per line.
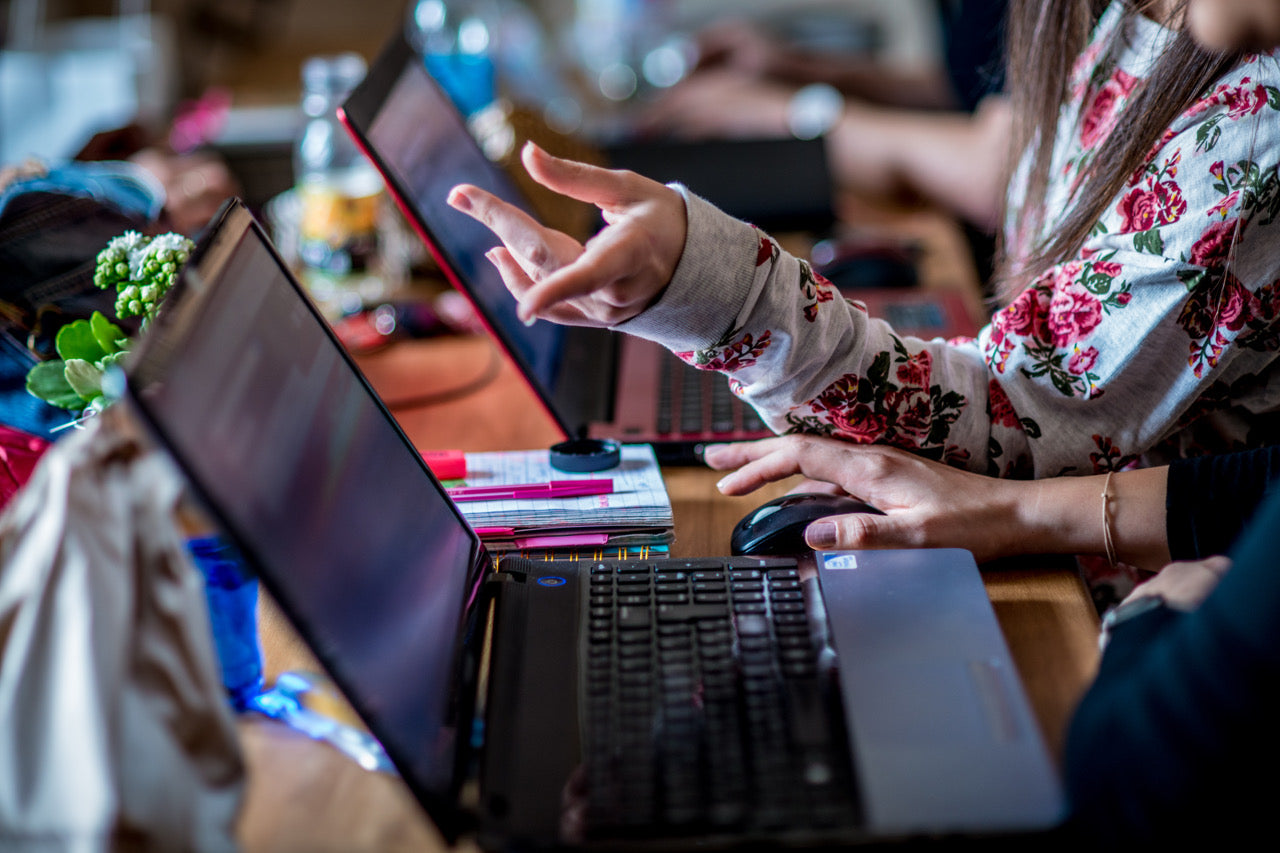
(1108, 541)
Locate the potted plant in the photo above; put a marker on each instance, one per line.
(141, 270)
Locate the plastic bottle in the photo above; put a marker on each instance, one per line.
(456, 39)
(340, 191)
(232, 596)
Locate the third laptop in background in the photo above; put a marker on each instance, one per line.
(594, 383)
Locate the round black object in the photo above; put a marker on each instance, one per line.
(581, 455)
(777, 527)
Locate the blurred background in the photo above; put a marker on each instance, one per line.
(72, 68)
(222, 97)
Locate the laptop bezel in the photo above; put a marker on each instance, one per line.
(450, 817)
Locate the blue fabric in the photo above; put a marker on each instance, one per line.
(51, 228)
(1212, 498)
(1175, 740)
(123, 185)
(18, 408)
(973, 42)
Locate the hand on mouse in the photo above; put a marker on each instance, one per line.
(926, 504)
(615, 275)
(931, 505)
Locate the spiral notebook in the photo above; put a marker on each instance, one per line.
(635, 511)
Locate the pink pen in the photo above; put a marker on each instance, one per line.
(532, 491)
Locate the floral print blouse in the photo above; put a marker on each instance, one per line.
(1147, 345)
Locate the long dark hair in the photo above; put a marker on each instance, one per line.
(1044, 38)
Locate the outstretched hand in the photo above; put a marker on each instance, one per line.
(613, 277)
(926, 504)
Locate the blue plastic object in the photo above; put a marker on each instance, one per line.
(232, 595)
(469, 79)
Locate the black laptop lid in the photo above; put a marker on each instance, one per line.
(334, 509)
(410, 129)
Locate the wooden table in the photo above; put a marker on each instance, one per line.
(303, 795)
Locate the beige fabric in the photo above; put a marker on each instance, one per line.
(116, 731)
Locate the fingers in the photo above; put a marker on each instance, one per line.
(861, 531)
(1216, 565)
(528, 239)
(771, 459)
(724, 456)
(604, 270)
(607, 189)
(518, 282)
(771, 467)
(618, 273)
(1184, 585)
(513, 274)
(807, 486)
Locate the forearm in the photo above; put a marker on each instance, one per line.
(910, 87)
(1063, 515)
(951, 159)
(810, 361)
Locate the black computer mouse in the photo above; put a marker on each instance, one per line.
(777, 527)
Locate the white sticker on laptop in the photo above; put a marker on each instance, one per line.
(841, 562)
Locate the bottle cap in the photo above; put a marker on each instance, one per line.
(581, 455)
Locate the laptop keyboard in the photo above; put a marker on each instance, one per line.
(708, 704)
(697, 402)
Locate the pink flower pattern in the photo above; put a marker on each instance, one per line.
(1001, 410)
(1155, 282)
(909, 410)
(1102, 106)
(728, 355)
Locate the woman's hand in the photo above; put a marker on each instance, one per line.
(926, 504)
(1184, 585)
(743, 46)
(618, 273)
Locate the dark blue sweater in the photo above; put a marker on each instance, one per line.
(1177, 738)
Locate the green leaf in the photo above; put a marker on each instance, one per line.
(76, 340)
(1149, 241)
(110, 337)
(47, 380)
(84, 377)
(879, 370)
(113, 359)
(1190, 278)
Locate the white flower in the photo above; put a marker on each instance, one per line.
(144, 252)
(128, 242)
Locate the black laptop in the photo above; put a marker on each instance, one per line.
(592, 381)
(607, 704)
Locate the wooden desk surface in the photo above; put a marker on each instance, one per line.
(303, 795)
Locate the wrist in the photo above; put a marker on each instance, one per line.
(1058, 515)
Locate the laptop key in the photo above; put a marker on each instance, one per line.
(689, 612)
(633, 616)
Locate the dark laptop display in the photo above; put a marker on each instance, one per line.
(284, 439)
(591, 381)
(624, 703)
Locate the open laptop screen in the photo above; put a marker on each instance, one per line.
(426, 149)
(315, 483)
